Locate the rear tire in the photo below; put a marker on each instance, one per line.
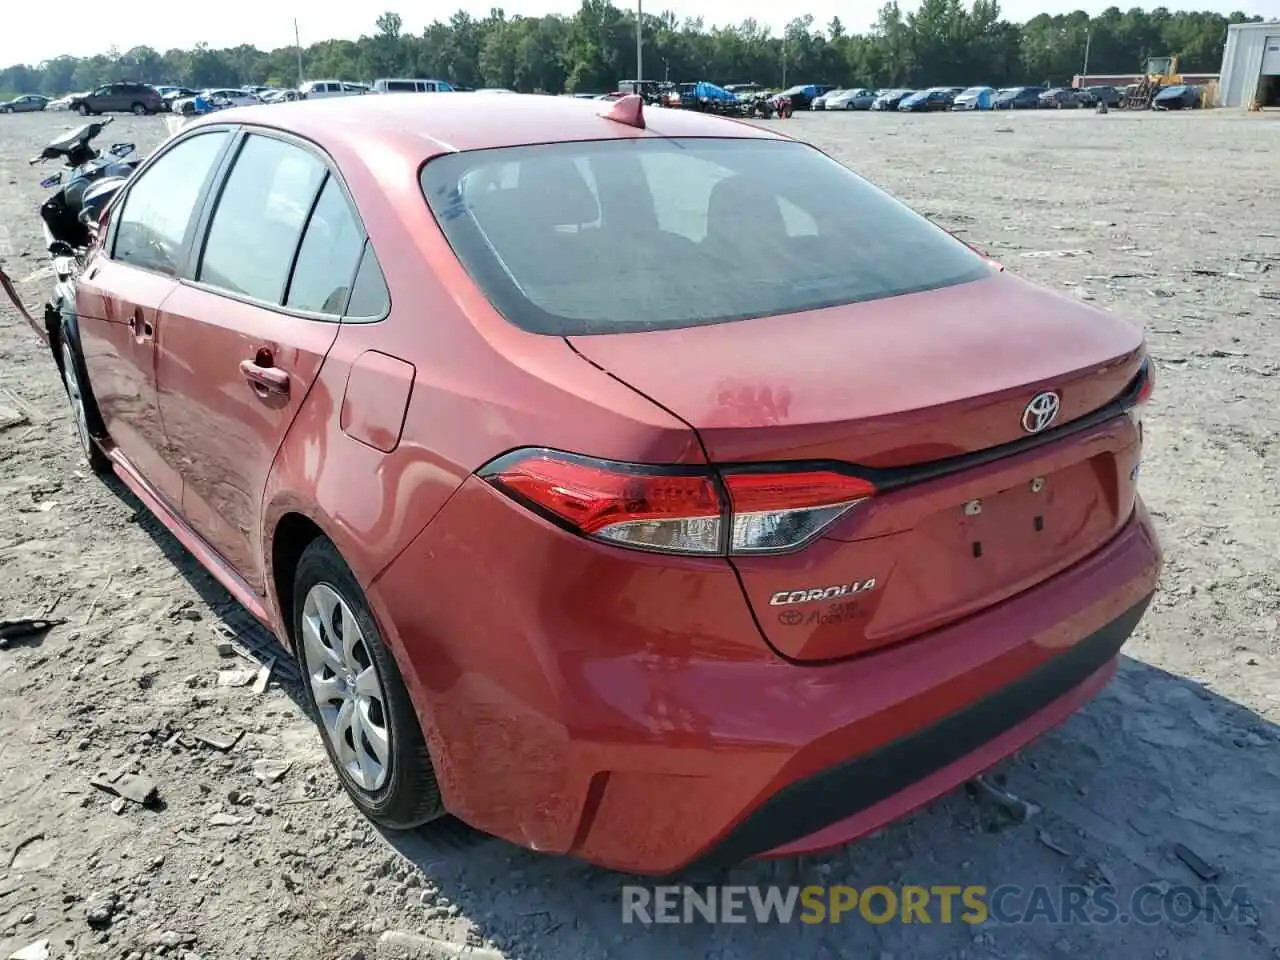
(83, 109)
(139, 110)
(357, 696)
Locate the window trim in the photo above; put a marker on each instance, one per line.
(193, 219)
(209, 205)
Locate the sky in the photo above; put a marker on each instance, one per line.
(30, 39)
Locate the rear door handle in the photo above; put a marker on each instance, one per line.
(265, 379)
(140, 327)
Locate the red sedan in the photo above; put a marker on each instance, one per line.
(656, 494)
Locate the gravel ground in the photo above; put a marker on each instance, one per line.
(1169, 219)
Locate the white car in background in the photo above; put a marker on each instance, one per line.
(323, 89)
(219, 96)
(281, 96)
(64, 103)
(410, 85)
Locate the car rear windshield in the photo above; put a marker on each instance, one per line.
(640, 234)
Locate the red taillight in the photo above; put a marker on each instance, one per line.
(1147, 385)
(679, 510)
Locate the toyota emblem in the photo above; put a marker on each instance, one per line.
(1041, 411)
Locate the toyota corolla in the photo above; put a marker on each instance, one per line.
(650, 489)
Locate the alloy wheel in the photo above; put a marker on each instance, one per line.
(72, 381)
(346, 686)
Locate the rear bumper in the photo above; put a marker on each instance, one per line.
(858, 795)
(590, 701)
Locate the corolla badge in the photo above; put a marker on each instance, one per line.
(785, 598)
(1041, 411)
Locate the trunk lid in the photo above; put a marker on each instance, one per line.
(894, 385)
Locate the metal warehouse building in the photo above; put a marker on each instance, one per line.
(1251, 65)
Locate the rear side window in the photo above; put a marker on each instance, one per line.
(153, 220)
(644, 234)
(328, 256)
(370, 299)
(259, 218)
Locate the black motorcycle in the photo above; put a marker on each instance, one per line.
(70, 214)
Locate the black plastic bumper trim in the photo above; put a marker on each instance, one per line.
(807, 806)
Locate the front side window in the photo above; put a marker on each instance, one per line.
(153, 221)
(259, 217)
(643, 234)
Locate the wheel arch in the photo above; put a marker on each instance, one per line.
(293, 533)
(61, 322)
(292, 524)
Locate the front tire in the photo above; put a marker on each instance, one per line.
(83, 109)
(357, 696)
(139, 110)
(73, 380)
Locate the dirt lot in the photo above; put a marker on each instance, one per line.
(1170, 219)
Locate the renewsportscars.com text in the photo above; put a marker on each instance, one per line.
(1007, 904)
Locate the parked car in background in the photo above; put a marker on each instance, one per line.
(325, 89)
(856, 98)
(1180, 97)
(280, 96)
(1017, 98)
(411, 85)
(706, 96)
(234, 96)
(219, 98)
(802, 95)
(1111, 96)
(821, 100)
(925, 101)
(62, 103)
(712, 556)
(974, 98)
(136, 98)
(890, 99)
(27, 103)
(1062, 98)
(173, 95)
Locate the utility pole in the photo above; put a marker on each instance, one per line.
(784, 62)
(639, 43)
(297, 45)
(1088, 40)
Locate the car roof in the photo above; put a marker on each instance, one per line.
(413, 124)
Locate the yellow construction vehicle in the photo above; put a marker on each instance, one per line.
(1164, 69)
(1161, 72)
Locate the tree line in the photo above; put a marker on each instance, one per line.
(940, 42)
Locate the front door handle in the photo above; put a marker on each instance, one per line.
(265, 379)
